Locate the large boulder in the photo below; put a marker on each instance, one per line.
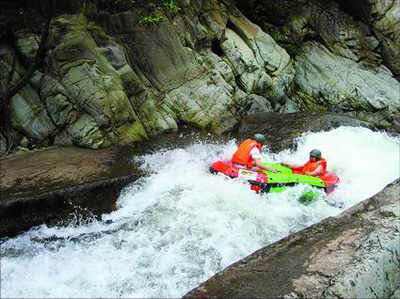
(383, 18)
(263, 67)
(107, 78)
(364, 31)
(354, 63)
(328, 81)
(50, 185)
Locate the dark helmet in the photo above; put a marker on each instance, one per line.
(260, 138)
(316, 153)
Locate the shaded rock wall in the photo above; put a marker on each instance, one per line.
(119, 72)
(338, 48)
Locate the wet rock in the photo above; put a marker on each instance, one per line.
(254, 104)
(289, 107)
(363, 31)
(383, 17)
(56, 185)
(24, 142)
(48, 185)
(282, 129)
(264, 67)
(107, 79)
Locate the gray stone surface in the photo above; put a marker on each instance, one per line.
(254, 104)
(326, 80)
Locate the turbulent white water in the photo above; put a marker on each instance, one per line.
(180, 225)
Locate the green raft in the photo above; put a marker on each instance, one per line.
(285, 179)
(265, 182)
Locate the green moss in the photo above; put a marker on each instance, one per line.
(152, 18)
(97, 32)
(274, 33)
(310, 102)
(132, 132)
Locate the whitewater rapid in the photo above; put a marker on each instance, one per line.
(180, 225)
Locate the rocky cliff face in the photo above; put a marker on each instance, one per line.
(119, 71)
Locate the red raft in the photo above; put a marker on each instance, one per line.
(267, 181)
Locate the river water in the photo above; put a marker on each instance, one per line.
(180, 225)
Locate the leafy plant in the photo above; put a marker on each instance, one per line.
(170, 5)
(151, 20)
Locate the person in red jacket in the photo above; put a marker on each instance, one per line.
(248, 155)
(315, 166)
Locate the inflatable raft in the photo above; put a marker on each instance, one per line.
(266, 181)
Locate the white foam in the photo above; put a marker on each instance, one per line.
(180, 225)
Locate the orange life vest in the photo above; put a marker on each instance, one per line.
(312, 166)
(242, 155)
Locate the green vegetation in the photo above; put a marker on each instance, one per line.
(151, 20)
(170, 5)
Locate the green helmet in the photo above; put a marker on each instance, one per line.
(316, 153)
(260, 138)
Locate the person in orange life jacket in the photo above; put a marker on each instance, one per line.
(248, 155)
(314, 167)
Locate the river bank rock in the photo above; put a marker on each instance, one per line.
(54, 185)
(353, 255)
(59, 185)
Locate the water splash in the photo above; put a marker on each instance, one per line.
(179, 225)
